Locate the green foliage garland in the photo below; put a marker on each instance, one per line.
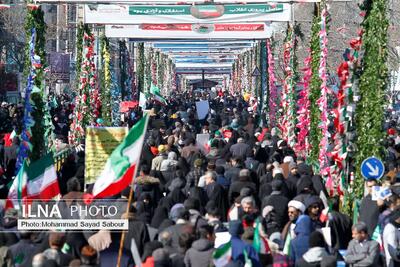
(370, 110)
(35, 19)
(315, 90)
(79, 52)
(105, 84)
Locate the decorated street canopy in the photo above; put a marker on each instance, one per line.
(152, 48)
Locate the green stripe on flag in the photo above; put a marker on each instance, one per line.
(120, 163)
(256, 239)
(218, 253)
(154, 90)
(286, 248)
(376, 235)
(37, 168)
(21, 182)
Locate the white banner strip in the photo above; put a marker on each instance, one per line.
(191, 31)
(70, 224)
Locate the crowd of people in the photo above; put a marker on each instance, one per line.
(190, 200)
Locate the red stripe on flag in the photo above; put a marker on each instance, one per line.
(118, 186)
(266, 245)
(50, 191)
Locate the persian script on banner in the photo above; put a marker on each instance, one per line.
(100, 143)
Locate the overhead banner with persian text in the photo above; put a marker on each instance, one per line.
(172, 14)
(191, 31)
(99, 144)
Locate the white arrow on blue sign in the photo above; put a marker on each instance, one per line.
(372, 168)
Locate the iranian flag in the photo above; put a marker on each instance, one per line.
(37, 180)
(222, 255)
(121, 166)
(155, 91)
(260, 243)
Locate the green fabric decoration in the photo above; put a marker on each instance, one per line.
(373, 81)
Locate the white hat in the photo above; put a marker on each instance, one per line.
(297, 205)
(266, 210)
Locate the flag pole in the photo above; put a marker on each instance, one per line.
(121, 243)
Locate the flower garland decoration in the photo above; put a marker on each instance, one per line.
(373, 81)
(263, 82)
(303, 146)
(273, 93)
(26, 146)
(87, 102)
(339, 153)
(147, 69)
(288, 124)
(105, 93)
(140, 67)
(153, 65)
(174, 75)
(323, 100)
(315, 87)
(89, 80)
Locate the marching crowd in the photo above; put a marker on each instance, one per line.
(246, 184)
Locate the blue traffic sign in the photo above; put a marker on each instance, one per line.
(372, 168)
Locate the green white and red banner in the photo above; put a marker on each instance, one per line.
(37, 180)
(178, 14)
(192, 31)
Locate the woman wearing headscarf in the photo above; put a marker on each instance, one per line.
(183, 166)
(160, 214)
(199, 194)
(145, 208)
(145, 183)
(174, 197)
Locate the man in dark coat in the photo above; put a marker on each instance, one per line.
(217, 194)
(236, 187)
(369, 210)
(340, 225)
(279, 202)
(232, 173)
(240, 149)
(140, 234)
